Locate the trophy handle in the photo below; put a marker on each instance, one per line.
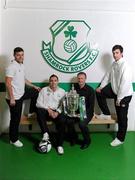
(82, 108)
(65, 104)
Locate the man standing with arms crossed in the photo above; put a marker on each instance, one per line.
(16, 93)
(116, 84)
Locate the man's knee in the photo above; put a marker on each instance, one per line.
(35, 93)
(62, 118)
(41, 110)
(70, 121)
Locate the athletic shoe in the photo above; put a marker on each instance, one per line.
(116, 142)
(45, 137)
(31, 115)
(60, 150)
(103, 116)
(17, 143)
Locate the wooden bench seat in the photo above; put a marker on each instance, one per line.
(95, 120)
(31, 121)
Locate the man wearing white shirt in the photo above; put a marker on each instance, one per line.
(49, 106)
(16, 93)
(116, 84)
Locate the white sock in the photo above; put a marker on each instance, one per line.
(45, 136)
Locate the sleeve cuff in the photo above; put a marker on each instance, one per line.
(58, 110)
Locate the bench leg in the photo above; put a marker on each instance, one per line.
(30, 127)
(108, 126)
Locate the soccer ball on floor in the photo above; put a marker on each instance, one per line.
(44, 146)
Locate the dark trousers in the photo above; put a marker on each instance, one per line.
(43, 117)
(83, 125)
(121, 111)
(15, 112)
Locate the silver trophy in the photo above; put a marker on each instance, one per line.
(71, 103)
(74, 106)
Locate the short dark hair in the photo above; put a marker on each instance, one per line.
(117, 47)
(18, 49)
(82, 73)
(53, 75)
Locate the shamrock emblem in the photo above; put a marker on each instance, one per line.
(70, 45)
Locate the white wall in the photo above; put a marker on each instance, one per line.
(27, 23)
(0, 53)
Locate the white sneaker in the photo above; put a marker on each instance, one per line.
(17, 143)
(103, 116)
(116, 142)
(31, 115)
(45, 137)
(60, 150)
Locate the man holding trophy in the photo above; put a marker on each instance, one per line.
(80, 108)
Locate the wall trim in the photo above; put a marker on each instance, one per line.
(64, 85)
(92, 5)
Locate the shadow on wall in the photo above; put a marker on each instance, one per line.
(111, 106)
(3, 64)
(106, 61)
(73, 79)
(4, 114)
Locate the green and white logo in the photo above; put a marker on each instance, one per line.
(69, 51)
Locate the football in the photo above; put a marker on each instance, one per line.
(44, 146)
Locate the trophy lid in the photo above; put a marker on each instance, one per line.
(73, 92)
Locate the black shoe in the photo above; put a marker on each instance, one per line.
(84, 146)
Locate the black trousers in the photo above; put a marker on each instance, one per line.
(121, 111)
(83, 125)
(15, 112)
(43, 117)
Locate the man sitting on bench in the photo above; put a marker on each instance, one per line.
(89, 95)
(49, 106)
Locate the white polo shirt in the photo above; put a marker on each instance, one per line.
(50, 99)
(16, 71)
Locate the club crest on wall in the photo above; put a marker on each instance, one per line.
(69, 51)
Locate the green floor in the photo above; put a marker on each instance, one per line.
(99, 162)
